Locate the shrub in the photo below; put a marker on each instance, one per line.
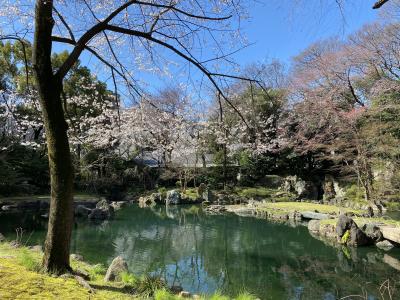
(147, 285)
(128, 278)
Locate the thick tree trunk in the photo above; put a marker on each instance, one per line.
(56, 251)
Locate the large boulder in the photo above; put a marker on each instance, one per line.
(102, 204)
(391, 233)
(314, 225)
(215, 209)
(373, 231)
(354, 235)
(117, 205)
(82, 211)
(314, 215)
(103, 211)
(118, 266)
(343, 224)
(358, 237)
(99, 214)
(303, 189)
(385, 245)
(173, 197)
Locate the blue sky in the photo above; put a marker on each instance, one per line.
(282, 30)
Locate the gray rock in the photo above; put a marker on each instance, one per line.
(146, 201)
(391, 233)
(2, 238)
(118, 266)
(207, 195)
(82, 211)
(343, 224)
(117, 205)
(314, 215)
(313, 226)
(358, 237)
(215, 209)
(173, 197)
(103, 211)
(103, 204)
(295, 216)
(36, 248)
(385, 245)
(77, 257)
(100, 214)
(373, 232)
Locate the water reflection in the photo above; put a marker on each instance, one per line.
(228, 253)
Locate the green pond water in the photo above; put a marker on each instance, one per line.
(204, 253)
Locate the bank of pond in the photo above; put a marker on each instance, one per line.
(203, 253)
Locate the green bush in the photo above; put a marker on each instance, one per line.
(128, 278)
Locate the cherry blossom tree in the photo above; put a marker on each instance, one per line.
(105, 29)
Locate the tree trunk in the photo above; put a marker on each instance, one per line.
(56, 250)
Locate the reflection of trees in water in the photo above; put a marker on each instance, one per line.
(204, 253)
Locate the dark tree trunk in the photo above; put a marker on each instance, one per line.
(56, 250)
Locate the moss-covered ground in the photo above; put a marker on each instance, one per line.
(21, 278)
(288, 207)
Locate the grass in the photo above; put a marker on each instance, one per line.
(305, 206)
(18, 281)
(191, 193)
(361, 221)
(20, 278)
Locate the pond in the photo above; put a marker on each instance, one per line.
(204, 253)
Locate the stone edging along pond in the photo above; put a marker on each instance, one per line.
(334, 224)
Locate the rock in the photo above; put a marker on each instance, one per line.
(146, 202)
(2, 238)
(77, 257)
(103, 211)
(215, 209)
(102, 204)
(173, 197)
(385, 245)
(66, 276)
(176, 289)
(15, 244)
(207, 195)
(82, 211)
(184, 294)
(313, 226)
(84, 283)
(343, 224)
(303, 189)
(329, 189)
(314, 215)
(327, 230)
(391, 233)
(370, 212)
(373, 232)
(36, 248)
(358, 237)
(99, 214)
(117, 205)
(295, 216)
(118, 266)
